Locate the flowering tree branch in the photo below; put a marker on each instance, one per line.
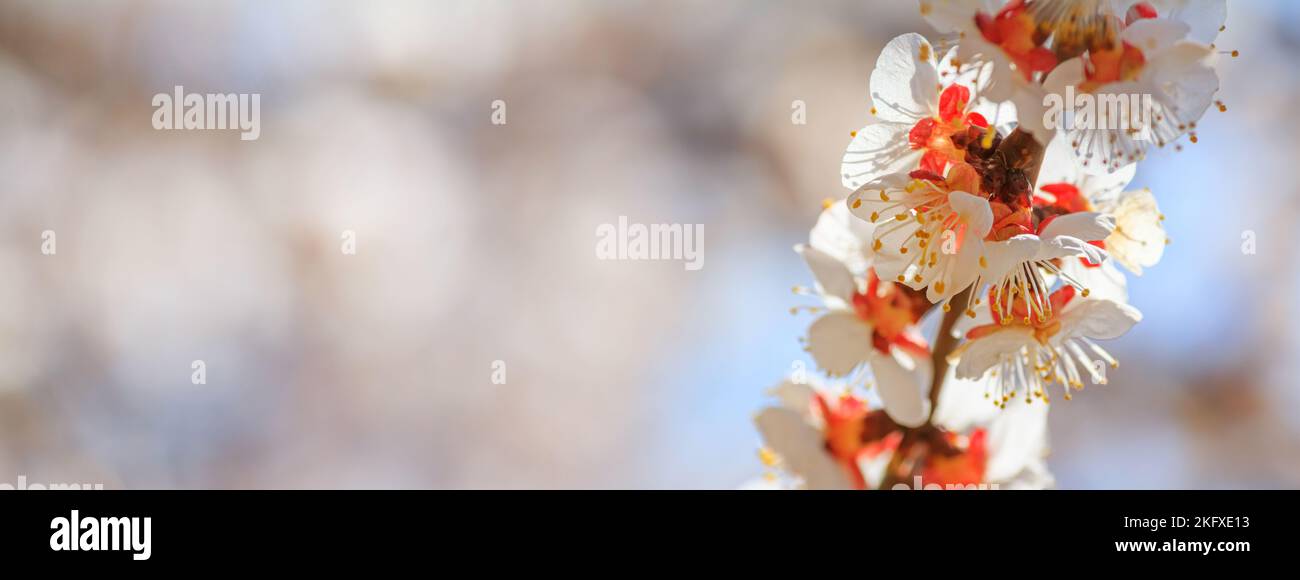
(947, 213)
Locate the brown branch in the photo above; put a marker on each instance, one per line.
(943, 345)
(1025, 153)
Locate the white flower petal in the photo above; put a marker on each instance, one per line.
(961, 274)
(984, 353)
(1059, 165)
(1030, 109)
(843, 236)
(1087, 226)
(1182, 82)
(1004, 81)
(904, 86)
(839, 341)
(794, 396)
(1139, 239)
(1097, 188)
(1155, 34)
(866, 199)
(832, 276)
(1099, 319)
(974, 210)
(802, 448)
(962, 405)
(1069, 247)
(1203, 17)
(1103, 282)
(1006, 255)
(876, 151)
(902, 389)
(890, 266)
(1002, 115)
(974, 76)
(1017, 440)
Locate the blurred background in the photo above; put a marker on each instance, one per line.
(475, 244)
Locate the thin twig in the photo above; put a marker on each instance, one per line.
(943, 345)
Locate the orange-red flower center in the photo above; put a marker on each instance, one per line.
(844, 420)
(1057, 199)
(1122, 63)
(1014, 31)
(966, 467)
(891, 309)
(935, 134)
(1044, 328)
